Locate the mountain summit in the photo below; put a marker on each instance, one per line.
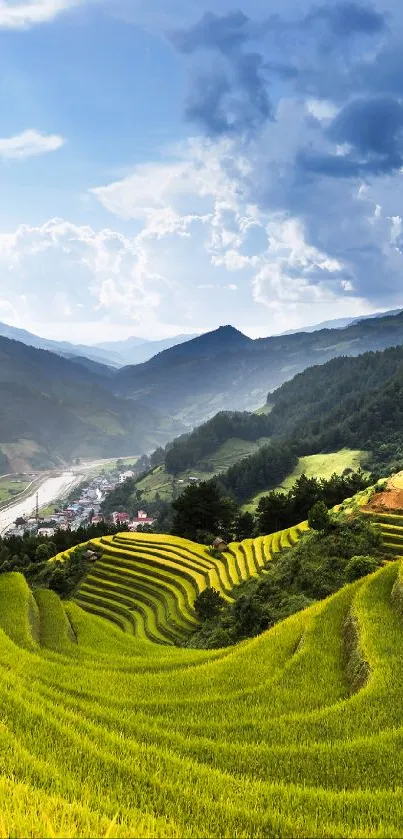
(210, 343)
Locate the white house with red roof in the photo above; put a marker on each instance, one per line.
(142, 518)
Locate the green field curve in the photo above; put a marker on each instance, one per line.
(296, 732)
(147, 583)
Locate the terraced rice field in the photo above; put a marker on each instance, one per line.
(391, 527)
(295, 733)
(147, 584)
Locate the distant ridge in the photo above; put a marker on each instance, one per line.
(225, 370)
(340, 323)
(113, 354)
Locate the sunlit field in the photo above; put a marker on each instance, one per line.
(121, 733)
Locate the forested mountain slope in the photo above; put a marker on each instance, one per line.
(53, 409)
(355, 402)
(226, 370)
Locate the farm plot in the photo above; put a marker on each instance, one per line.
(153, 580)
(294, 733)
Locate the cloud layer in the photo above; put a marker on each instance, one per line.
(281, 203)
(19, 15)
(29, 143)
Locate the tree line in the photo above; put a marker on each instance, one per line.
(205, 511)
(29, 554)
(321, 563)
(191, 449)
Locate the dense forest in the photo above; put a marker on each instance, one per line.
(278, 510)
(190, 449)
(353, 402)
(204, 511)
(349, 402)
(263, 470)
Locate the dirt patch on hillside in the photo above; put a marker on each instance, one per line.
(391, 498)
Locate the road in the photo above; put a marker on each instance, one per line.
(50, 490)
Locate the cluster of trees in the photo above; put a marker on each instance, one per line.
(320, 564)
(278, 510)
(263, 470)
(191, 449)
(30, 554)
(64, 577)
(204, 511)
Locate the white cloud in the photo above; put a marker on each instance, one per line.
(29, 143)
(292, 271)
(321, 109)
(67, 271)
(18, 15)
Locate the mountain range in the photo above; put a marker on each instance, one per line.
(53, 410)
(56, 408)
(339, 323)
(226, 370)
(115, 354)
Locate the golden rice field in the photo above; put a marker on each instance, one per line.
(105, 732)
(147, 584)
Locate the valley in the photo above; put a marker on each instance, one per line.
(56, 408)
(47, 488)
(201, 419)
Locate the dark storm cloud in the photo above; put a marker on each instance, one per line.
(384, 74)
(372, 129)
(232, 96)
(225, 34)
(347, 19)
(238, 58)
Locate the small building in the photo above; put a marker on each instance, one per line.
(193, 479)
(97, 520)
(15, 531)
(142, 518)
(124, 476)
(91, 556)
(219, 545)
(120, 518)
(46, 531)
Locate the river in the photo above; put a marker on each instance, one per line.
(49, 491)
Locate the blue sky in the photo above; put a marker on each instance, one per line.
(168, 166)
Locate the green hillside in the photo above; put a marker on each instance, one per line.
(294, 733)
(316, 466)
(54, 410)
(226, 370)
(160, 481)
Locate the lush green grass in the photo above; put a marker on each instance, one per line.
(316, 466)
(159, 481)
(103, 733)
(265, 410)
(11, 488)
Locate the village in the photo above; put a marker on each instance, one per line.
(82, 510)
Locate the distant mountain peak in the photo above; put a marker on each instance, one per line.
(223, 334)
(228, 330)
